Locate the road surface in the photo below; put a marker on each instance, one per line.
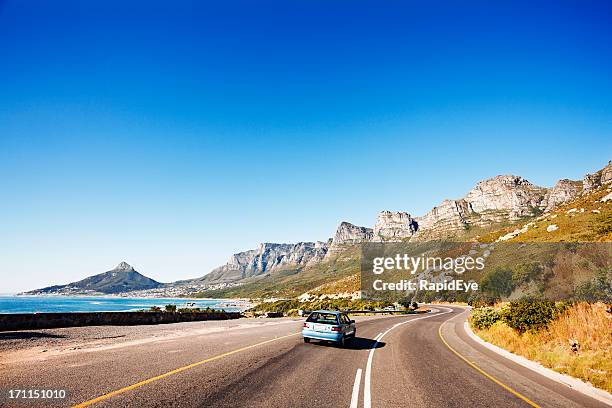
(418, 361)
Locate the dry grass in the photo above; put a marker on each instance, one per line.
(348, 284)
(588, 324)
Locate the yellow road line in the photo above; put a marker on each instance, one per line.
(490, 377)
(178, 370)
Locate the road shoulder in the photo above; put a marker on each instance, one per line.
(571, 382)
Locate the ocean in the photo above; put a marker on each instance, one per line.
(33, 304)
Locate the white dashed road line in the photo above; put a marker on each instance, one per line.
(356, 386)
(367, 395)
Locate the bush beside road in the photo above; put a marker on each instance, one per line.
(292, 307)
(570, 339)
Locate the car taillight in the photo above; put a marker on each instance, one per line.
(336, 328)
(306, 325)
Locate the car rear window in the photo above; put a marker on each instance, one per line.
(328, 318)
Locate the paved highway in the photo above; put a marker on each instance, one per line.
(396, 361)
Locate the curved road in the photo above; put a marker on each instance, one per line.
(396, 361)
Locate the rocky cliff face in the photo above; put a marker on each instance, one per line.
(598, 178)
(348, 234)
(501, 198)
(393, 226)
(509, 196)
(565, 190)
(450, 215)
(267, 258)
(496, 199)
(123, 267)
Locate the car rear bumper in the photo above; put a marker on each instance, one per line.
(331, 336)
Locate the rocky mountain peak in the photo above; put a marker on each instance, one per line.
(394, 226)
(123, 267)
(512, 195)
(348, 233)
(601, 177)
(268, 257)
(565, 190)
(119, 280)
(495, 199)
(449, 215)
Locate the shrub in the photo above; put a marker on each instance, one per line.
(292, 312)
(498, 282)
(170, 308)
(406, 302)
(415, 305)
(604, 224)
(155, 309)
(598, 289)
(277, 306)
(525, 273)
(290, 306)
(563, 306)
(526, 315)
(479, 300)
(587, 324)
(484, 317)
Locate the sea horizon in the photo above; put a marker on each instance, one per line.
(15, 303)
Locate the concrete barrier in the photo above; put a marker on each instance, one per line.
(32, 321)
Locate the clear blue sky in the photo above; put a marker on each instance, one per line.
(173, 134)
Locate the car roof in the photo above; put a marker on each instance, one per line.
(327, 311)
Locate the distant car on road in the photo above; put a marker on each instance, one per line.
(330, 326)
(389, 309)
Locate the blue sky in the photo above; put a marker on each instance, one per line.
(172, 135)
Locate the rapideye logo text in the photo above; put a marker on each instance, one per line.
(404, 263)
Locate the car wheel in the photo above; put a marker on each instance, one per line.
(342, 341)
(306, 340)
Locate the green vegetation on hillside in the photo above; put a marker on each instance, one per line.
(291, 307)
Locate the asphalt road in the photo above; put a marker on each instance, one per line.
(411, 365)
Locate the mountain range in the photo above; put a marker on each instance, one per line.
(501, 199)
(494, 203)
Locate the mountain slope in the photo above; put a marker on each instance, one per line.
(586, 218)
(496, 201)
(267, 258)
(586, 221)
(123, 278)
(493, 209)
